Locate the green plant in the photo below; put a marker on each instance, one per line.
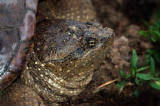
(153, 31)
(137, 75)
(153, 53)
(146, 74)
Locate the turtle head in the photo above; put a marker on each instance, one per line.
(72, 49)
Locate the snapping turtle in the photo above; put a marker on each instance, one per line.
(64, 56)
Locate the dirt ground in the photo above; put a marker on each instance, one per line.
(125, 17)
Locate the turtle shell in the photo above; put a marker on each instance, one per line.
(17, 27)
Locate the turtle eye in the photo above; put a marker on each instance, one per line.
(91, 42)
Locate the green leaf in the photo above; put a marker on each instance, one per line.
(142, 69)
(142, 32)
(128, 76)
(133, 72)
(156, 79)
(153, 39)
(134, 59)
(152, 69)
(155, 84)
(144, 76)
(137, 81)
(120, 85)
(157, 74)
(149, 51)
(122, 73)
(157, 33)
(153, 31)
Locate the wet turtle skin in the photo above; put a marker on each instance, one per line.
(63, 60)
(66, 53)
(17, 25)
(79, 10)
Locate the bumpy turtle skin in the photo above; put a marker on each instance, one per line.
(48, 80)
(63, 60)
(79, 10)
(17, 27)
(21, 96)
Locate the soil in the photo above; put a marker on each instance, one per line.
(125, 17)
